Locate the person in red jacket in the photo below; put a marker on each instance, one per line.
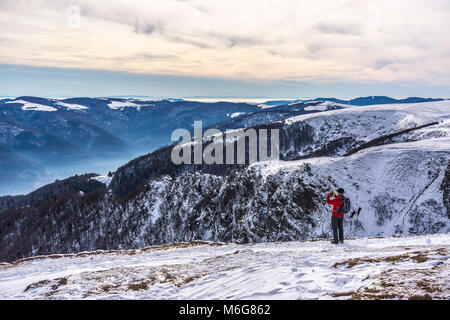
(337, 219)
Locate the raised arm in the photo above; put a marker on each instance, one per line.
(331, 201)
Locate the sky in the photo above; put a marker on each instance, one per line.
(204, 48)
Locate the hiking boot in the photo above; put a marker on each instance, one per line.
(334, 242)
(341, 241)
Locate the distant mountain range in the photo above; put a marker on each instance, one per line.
(42, 138)
(361, 101)
(45, 138)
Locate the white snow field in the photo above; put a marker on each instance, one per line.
(28, 106)
(398, 116)
(415, 267)
(72, 106)
(123, 104)
(371, 122)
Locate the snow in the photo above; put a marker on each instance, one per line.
(395, 268)
(156, 200)
(323, 106)
(103, 179)
(388, 151)
(28, 106)
(116, 105)
(434, 144)
(236, 114)
(404, 114)
(72, 106)
(266, 106)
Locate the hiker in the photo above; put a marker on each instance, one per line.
(337, 216)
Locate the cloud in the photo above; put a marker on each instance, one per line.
(338, 29)
(342, 40)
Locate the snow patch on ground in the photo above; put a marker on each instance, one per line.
(366, 268)
(28, 106)
(397, 186)
(236, 114)
(418, 113)
(103, 179)
(72, 106)
(388, 152)
(120, 105)
(154, 204)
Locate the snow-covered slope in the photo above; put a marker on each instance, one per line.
(368, 268)
(103, 179)
(351, 127)
(400, 114)
(72, 106)
(397, 186)
(29, 106)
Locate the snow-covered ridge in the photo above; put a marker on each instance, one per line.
(72, 106)
(421, 112)
(115, 105)
(28, 106)
(103, 179)
(59, 103)
(364, 124)
(367, 268)
(391, 150)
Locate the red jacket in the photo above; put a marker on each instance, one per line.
(336, 202)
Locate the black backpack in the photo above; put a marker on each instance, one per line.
(345, 205)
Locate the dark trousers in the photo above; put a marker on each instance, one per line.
(337, 224)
